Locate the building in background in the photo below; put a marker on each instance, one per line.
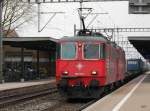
(139, 6)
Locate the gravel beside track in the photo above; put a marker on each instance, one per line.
(35, 104)
(73, 105)
(50, 102)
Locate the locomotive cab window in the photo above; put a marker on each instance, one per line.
(68, 50)
(91, 51)
(94, 51)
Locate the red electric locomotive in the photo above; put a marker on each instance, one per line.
(88, 64)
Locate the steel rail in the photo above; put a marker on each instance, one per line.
(10, 99)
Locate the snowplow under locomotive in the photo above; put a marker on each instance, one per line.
(87, 65)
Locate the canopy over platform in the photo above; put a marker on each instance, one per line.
(35, 43)
(142, 44)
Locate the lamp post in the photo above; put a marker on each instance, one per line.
(1, 43)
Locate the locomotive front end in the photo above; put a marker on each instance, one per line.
(80, 69)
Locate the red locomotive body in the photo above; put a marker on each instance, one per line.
(87, 65)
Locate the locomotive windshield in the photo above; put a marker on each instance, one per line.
(93, 51)
(68, 50)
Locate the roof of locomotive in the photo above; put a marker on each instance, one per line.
(84, 38)
(86, 35)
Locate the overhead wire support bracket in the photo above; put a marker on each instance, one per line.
(125, 29)
(64, 1)
(96, 15)
(120, 30)
(40, 29)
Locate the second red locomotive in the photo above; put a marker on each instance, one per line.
(88, 64)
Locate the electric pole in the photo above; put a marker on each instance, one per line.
(1, 43)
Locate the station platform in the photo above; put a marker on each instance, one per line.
(134, 96)
(17, 85)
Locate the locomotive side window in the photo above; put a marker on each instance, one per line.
(102, 51)
(68, 50)
(91, 51)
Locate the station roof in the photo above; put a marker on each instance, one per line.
(33, 43)
(142, 44)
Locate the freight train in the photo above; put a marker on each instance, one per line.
(136, 66)
(88, 64)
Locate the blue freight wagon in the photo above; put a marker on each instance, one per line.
(135, 66)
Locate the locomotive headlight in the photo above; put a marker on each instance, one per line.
(79, 45)
(94, 73)
(65, 72)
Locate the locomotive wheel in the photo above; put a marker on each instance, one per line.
(117, 84)
(121, 82)
(112, 86)
(107, 89)
(96, 92)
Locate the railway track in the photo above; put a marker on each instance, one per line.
(78, 105)
(46, 100)
(13, 99)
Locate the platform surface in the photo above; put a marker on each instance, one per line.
(14, 85)
(134, 96)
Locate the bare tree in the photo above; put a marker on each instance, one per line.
(15, 14)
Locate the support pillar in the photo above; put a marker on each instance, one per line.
(22, 65)
(1, 43)
(38, 65)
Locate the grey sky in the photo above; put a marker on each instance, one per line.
(62, 24)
